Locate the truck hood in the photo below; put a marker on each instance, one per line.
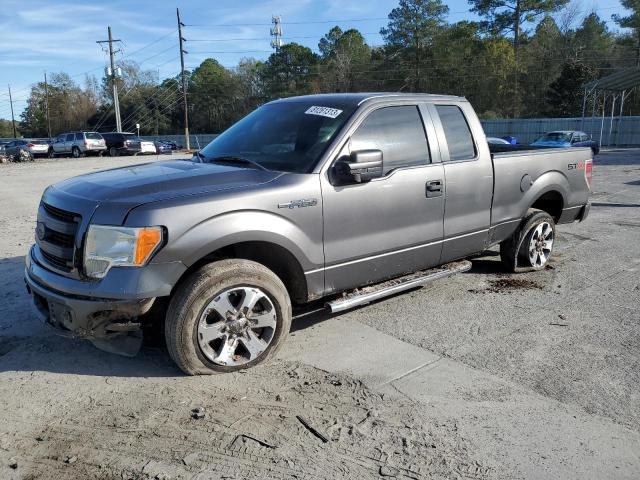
(156, 181)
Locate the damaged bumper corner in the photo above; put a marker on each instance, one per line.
(96, 319)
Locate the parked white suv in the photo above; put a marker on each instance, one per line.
(77, 144)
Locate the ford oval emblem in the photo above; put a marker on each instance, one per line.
(40, 231)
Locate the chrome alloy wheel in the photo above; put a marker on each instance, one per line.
(237, 326)
(540, 245)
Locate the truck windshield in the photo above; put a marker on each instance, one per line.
(283, 136)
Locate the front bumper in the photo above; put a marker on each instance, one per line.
(93, 310)
(88, 318)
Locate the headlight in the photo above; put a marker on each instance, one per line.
(107, 246)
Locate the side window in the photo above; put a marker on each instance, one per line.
(70, 137)
(398, 132)
(60, 138)
(457, 132)
(584, 137)
(79, 136)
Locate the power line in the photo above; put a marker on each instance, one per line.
(147, 116)
(345, 20)
(167, 93)
(295, 37)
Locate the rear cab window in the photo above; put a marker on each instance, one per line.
(398, 132)
(70, 137)
(93, 136)
(457, 133)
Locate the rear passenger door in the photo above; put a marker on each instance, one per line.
(58, 144)
(393, 224)
(468, 172)
(68, 142)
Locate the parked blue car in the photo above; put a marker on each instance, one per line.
(565, 139)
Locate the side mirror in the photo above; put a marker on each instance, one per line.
(362, 166)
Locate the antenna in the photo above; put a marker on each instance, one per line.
(276, 32)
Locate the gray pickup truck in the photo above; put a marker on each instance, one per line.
(347, 197)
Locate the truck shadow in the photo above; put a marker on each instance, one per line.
(27, 345)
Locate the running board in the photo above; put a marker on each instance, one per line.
(368, 294)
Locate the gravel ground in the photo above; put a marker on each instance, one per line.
(527, 376)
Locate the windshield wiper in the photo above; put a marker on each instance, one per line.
(234, 159)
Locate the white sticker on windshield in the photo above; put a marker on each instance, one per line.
(323, 111)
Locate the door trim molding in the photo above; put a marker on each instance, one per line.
(393, 252)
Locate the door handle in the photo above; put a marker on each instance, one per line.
(434, 188)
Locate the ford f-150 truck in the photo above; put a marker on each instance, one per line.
(349, 197)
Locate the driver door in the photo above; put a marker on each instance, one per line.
(393, 224)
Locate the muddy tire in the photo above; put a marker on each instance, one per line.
(531, 245)
(226, 316)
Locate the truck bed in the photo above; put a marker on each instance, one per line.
(519, 169)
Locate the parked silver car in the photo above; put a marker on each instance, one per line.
(77, 144)
(34, 148)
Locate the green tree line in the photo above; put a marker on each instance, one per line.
(524, 58)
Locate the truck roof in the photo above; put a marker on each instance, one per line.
(359, 98)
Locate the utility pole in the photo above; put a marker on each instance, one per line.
(46, 104)
(112, 74)
(184, 81)
(13, 120)
(276, 32)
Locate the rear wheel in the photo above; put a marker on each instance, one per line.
(113, 152)
(531, 245)
(228, 315)
(75, 152)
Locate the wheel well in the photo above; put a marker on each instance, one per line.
(550, 202)
(276, 258)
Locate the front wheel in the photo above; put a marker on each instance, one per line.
(228, 315)
(51, 154)
(531, 245)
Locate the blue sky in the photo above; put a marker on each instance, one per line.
(39, 35)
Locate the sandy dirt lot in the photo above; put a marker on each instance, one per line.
(481, 376)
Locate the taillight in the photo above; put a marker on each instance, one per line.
(29, 145)
(588, 172)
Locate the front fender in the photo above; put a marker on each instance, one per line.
(243, 226)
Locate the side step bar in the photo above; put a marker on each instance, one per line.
(368, 294)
